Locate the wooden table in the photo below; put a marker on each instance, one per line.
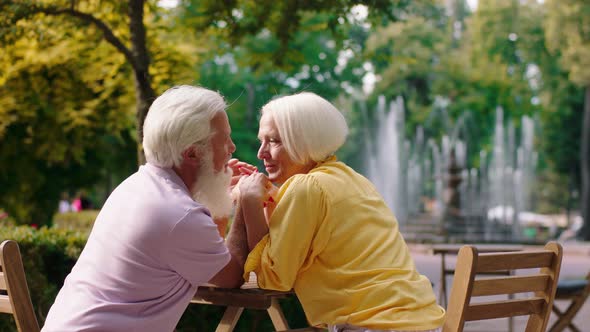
(453, 249)
(249, 296)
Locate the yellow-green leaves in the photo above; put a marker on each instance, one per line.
(568, 33)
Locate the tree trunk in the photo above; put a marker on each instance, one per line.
(585, 168)
(144, 93)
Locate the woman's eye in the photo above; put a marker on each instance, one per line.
(273, 140)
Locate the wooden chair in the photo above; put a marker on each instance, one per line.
(14, 292)
(577, 292)
(537, 306)
(305, 329)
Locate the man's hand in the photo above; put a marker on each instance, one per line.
(237, 240)
(255, 187)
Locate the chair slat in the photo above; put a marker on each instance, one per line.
(510, 285)
(537, 289)
(2, 281)
(506, 308)
(514, 261)
(17, 289)
(5, 306)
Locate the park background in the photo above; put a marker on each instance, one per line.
(77, 78)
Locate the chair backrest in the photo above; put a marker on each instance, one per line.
(538, 288)
(14, 292)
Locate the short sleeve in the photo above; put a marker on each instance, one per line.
(288, 248)
(195, 250)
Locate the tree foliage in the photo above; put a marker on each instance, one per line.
(255, 60)
(568, 34)
(67, 118)
(234, 20)
(63, 108)
(247, 90)
(472, 63)
(77, 76)
(497, 56)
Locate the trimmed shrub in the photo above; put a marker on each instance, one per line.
(75, 221)
(48, 256)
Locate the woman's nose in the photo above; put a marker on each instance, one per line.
(262, 151)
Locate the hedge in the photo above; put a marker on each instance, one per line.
(50, 253)
(48, 256)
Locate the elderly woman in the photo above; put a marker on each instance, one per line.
(330, 235)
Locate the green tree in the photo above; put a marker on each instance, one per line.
(243, 74)
(562, 104)
(475, 61)
(107, 17)
(234, 20)
(61, 120)
(66, 117)
(295, 46)
(568, 32)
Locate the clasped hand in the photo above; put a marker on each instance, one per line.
(255, 186)
(249, 184)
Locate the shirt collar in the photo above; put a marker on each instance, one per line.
(167, 173)
(329, 159)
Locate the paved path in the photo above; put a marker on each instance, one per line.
(575, 264)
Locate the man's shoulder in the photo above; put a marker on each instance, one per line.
(156, 196)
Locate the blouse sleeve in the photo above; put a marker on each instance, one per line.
(293, 226)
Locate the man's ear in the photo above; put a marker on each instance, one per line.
(192, 155)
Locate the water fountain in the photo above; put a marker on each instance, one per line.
(435, 194)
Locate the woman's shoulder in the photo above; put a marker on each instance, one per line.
(332, 173)
(300, 181)
(302, 185)
(323, 179)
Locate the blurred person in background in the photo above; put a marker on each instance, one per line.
(64, 205)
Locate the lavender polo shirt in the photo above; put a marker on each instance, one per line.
(149, 249)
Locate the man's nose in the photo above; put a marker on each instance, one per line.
(232, 146)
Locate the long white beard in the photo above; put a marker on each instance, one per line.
(212, 188)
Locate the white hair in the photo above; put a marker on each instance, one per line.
(311, 128)
(177, 119)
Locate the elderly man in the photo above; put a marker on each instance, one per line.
(155, 240)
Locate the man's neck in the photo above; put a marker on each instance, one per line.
(187, 175)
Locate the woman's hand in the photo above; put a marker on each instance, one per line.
(254, 188)
(239, 169)
(253, 192)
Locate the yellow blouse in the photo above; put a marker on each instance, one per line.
(335, 242)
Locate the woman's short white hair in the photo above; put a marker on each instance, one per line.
(311, 128)
(177, 119)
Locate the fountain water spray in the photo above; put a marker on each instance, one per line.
(413, 175)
